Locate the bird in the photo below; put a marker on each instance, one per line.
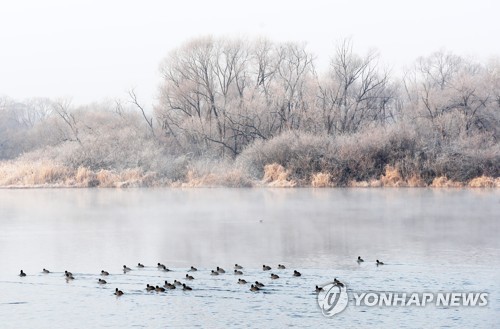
(254, 288)
(68, 273)
(220, 270)
(193, 269)
(258, 284)
(296, 273)
(274, 276)
(149, 288)
(242, 281)
(69, 276)
(338, 283)
(177, 283)
(46, 271)
(266, 268)
(379, 263)
(126, 269)
(318, 289)
(163, 267)
(214, 273)
(169, 285)
(184, 287)
(101, 281)
(159, 289)
(118, 292)
(236, 272)
(238, 267)
(22, 274)
(281, 267)
(360, 260)
(189, 277)
(104, 273)
(139, 265)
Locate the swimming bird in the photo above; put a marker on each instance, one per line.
(118, 292)
(126, 269)
(296, 273)
(169, 285)
(238, 267)
(281, 267)
(214, 273)
(193, 269)
(259, 284)
(266, 268)
(236, 272)
(149, 288)
(101, 281)
(139, 265)
(189, 277)
(220, 270)
(66, 273)
(318, 289)
(159, 289)
(254, 288)
(46, 271)
(104, 273)
(69, 276)
(274, 276)
(163, 267)
(242, 281)
(360, 260)
(184, 287)
(177, 283)
(338, 283)
(379, 263)
(22, 274)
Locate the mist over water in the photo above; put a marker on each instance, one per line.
(430, 239)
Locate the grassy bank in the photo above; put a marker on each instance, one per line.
(50, 175)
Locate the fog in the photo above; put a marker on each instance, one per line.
(208, 227)
(94, 50)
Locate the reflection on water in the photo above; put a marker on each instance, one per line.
(431, 240)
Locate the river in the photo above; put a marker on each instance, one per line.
(431, 240)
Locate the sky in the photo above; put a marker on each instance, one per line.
(96, 50)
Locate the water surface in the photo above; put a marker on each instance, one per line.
(431, 240)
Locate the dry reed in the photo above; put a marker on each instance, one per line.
(443, 181)
(321, 180)
(275, 175)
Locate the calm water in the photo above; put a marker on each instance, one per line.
(430, 240)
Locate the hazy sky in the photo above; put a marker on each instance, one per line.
(90, 50)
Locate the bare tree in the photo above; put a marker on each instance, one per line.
(135, 101)
(63, 109)
(205, 82)
(354, 92)
(230, 92)
(453, 93)
(295, 71)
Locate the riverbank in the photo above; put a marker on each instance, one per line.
(16, 174)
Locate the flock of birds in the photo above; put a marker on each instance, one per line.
(257, 286)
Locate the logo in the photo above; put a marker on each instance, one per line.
(440, 299)
(333, 299)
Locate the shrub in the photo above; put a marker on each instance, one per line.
(276, 176)
(321, 180)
